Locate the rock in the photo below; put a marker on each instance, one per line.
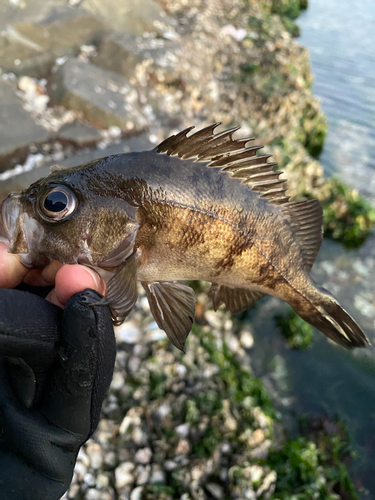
(35, 35)
(246, 339)
(143, 474)
(128, 332)
(136, 494)
(143, 455)
(157, 474)
(94, 452)
(79, 134)
(132, 16)
(18, 131)
(215, 490)
(104, 98)
(122, 52)
(61, 31)
(124, 474)
(268, 486)
(21, 59)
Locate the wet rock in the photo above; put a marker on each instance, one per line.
(103, 98)
(131, 16)
(18, 131)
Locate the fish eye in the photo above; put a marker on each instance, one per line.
(57, 204)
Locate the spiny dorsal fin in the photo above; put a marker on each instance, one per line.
(221, 150)
(306, 219)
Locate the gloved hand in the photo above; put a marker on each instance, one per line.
(55, 368)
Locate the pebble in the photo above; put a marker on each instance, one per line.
(143, 474)
(94, 451)
(182, 430)
(157, 474)
(89, 479)
(213, 319)
(136, 494)
(215, 490)
(246, 339)
(143, 456)
(124, 474)
(128, 332)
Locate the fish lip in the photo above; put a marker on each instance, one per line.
(23, 231)
(10, 211)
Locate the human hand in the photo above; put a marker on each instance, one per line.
(67, 279)
(55, 368)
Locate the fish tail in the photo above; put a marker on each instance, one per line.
(325, 313)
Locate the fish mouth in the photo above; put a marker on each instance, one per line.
(23, 232)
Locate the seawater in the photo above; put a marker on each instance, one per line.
(340, 36)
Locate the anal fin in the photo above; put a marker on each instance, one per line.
(236, 300)
(173, 307)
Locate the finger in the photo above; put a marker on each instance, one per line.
(12, 271)
(71, 279)
(45, 276)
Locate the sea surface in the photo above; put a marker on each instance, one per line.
(340, 36)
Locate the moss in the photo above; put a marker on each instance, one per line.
(347, 217)
(297, 332)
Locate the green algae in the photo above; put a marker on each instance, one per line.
(296, 331)
(313, 465)
(348, 218)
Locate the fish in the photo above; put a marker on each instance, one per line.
(199, 206)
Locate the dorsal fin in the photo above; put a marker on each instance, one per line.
(232, 155)
(306, 219)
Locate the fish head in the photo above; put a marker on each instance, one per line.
(68, 216)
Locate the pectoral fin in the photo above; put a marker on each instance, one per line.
(236, 300)
(173, 307)
(121, 293)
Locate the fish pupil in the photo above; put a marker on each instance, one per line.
(56, 201)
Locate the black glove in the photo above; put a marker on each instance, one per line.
(55, 368)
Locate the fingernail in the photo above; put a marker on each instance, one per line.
(97, 279)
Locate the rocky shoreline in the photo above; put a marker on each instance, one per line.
(81, 79)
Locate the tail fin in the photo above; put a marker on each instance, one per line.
(329, 317)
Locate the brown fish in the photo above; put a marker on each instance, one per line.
(197, 207)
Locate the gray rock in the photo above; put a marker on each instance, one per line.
(104, 98)
(79, 134)
(18, 131)
(21, 59)
(122, 52)
(62, 30)
(34, 36)
(131, 16)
